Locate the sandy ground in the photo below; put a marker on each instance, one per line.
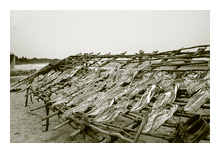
(26, 126)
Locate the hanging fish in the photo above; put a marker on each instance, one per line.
(145, 99)
(167, 97)
(157, 117)
(197, 100)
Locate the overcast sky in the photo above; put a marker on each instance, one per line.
(59, 34)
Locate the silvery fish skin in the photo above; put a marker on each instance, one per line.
(79, 98)
(157, 117)
(44, 78)
(145, 99)
(104, 101)
(166, 85)
(110, 84)
(105, 114)
(196, 86)
(63, 75)
(134, 92)
(101, 86)
(67, 113)
(89, 102)
(120, 108)
(167, 97)
(97, 110)
(197, 100)
(113, 115)
(60, 100)
(112, 112)
(119, 95)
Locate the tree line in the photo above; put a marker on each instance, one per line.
(25, 60)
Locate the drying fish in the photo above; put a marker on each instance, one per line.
(167, 97)
(157, 117)
(193, 87)
(105, 115)
(145, 99)
(197, 100)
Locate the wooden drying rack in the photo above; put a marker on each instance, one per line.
(84, 125)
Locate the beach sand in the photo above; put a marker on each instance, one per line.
(26, 126)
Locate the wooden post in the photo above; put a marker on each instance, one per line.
(144, 121)
(26, 97)
(47, 120)
(31, 98)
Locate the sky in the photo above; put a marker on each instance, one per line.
(59, 34)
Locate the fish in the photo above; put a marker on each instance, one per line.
(194, 87)
(60, 100)
(157, 117)
(145, 99)
(167, 97)
(197, 100)
(104, 101)
(104, 116)
(112, 112)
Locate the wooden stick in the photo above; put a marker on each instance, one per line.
(102, 131)
(75, 133)
(26, 101)
(172, 70)
(111, 133)
(129, 56)
(189, 115)
(204, 106)
(47, 120)
(31, 98)
(55, 113)
(38, 107)
(185, 64)
(113, 127)
(62, 124)
(144, 121)
(185, 48)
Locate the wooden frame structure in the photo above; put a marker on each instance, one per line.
(185, 60)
